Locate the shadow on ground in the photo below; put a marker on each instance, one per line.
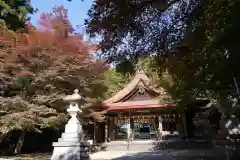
(33, 156)
(146, 156)
(190, 149)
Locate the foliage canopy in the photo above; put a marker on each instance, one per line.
(195, 41)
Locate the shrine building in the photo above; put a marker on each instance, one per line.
(141, 109)
(138, 106)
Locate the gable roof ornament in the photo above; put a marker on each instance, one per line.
(141, 89)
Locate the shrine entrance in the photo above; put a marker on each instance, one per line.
(142, 127)
(145, 127)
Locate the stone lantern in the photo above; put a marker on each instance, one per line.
(71, 146)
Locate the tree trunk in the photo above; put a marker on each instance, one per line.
(19, 143)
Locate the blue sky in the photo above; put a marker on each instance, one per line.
(77, 10)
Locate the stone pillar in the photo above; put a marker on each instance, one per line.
(72, 145)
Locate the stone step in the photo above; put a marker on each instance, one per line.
(73, 135)
(68, 139)
(66, 143)
(70, 143)
(137, 141)
(135, 145)
(131, 147)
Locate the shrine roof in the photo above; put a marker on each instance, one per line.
(139, 78)
(130, 103)
(138, 105)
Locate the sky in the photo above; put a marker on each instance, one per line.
(77, 10)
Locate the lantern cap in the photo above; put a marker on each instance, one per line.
(74, 97)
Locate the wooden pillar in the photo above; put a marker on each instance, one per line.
(94, 133)
(132, 127)
(129, 129)
(109, 128)
(179, 125)
(156, 122)
(111, 131)
(100, 132)
(184, 125)
(131, 122)
(97, 133)
(106, 130)
(160, 125)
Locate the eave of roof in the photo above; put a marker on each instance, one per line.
(138, 105)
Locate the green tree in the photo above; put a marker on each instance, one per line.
(195, 41)
(15, 12)
(115, 82)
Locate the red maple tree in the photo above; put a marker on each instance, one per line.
(39, 68)
(54, 54)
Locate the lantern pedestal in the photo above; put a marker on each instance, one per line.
(71, 145)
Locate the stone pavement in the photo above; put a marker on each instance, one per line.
(130, 155)
(138, 150)
(164, 150)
